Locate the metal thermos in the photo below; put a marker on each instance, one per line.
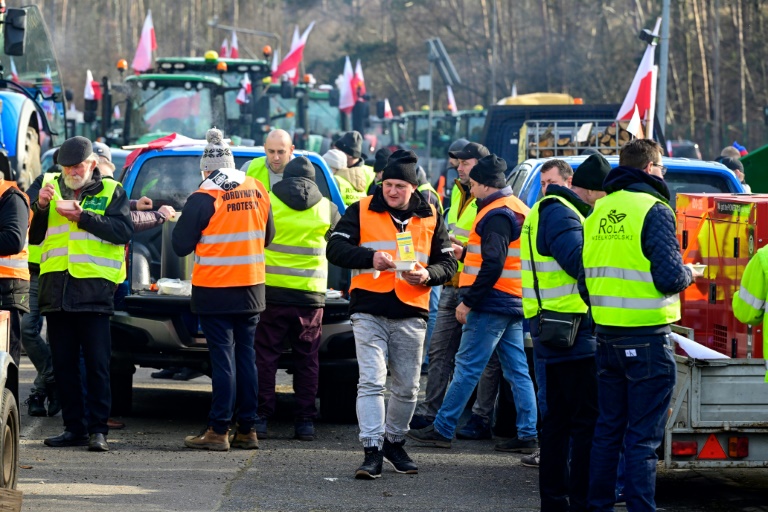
(171, 265)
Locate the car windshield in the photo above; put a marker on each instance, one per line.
(680, 182)
(323, 118)
(163, 110)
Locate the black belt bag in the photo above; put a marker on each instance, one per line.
(558, 330)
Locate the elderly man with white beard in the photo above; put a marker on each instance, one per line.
(83, 224)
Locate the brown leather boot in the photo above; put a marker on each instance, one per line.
(208, 439)
(249, 441)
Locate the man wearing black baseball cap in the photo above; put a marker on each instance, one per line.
(490, 308)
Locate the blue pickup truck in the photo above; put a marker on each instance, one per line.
(160, 331)
(683, 176)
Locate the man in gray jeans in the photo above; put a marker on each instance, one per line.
(389, 309)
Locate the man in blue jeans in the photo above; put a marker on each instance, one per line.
(490, 309)
(634, 273)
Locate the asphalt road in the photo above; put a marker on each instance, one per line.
(149, 469)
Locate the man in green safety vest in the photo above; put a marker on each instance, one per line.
(83, 223)
(351, 144)
(269, 169)
(749, 301)
(296, 282)
(552, 241)
(634, 273)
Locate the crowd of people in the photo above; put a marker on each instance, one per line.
(592, 271)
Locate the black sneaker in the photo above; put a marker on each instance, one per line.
(428, 435)
(517, 445)
(36, 405)
(419, 422)
(304, 430)
(394, 453)
(532, 460)
(371, 467)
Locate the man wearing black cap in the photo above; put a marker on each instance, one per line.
(451, 172)
(83, 223)
(490, 308)
(351, 144)
(552, 241)
(735, 165)
(390, 309)
(296, 281)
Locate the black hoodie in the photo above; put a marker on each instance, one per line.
(658, 239)
(344, 250)
(299, 194)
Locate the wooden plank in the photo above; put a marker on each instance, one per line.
(10, 500)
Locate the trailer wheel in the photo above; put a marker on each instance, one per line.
(30, 166)
(9, 441)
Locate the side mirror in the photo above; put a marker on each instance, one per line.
(14, 31)
(69, 95)
(333, 97)
(380, 109)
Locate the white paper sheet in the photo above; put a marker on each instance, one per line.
(696, 350)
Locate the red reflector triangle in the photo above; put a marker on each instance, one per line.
(712, 449)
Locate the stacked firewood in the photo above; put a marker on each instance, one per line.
(605, 139)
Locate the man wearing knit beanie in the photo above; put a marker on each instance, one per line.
(227, 223)
(296, 281)
(351, 144)
(490, 308)
(553, 240)
(352, 183)
(389, 309)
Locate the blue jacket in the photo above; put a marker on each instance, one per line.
(658, 240)
(560, 235)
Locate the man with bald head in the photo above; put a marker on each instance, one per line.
(269, 169)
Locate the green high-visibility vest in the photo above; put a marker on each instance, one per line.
(258, 170)
(296, 257)
(83, 254)
(749, 302)
(621, 289)
(429, 187)
(35, 251)
(349, 194)
(370, 175)
(460, 220)
(558, 290)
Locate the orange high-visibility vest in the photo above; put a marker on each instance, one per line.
(510, 281)
(15, 266)
(378, 232)
(231, 249)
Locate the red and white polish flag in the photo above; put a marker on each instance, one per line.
(142, 61)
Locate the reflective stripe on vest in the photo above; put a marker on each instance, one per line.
(510, 280)
(296, 257)
(16, 266)
(619, 280)
(81, 253)
(378, 232)
(349, 194)
(558, 291)
(460, 218)
(231, 249)
(259, 171)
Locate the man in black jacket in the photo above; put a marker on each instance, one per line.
(81, 264)
(227, 222)
(296, 282)
(14, 270)
(567, 377)
(390, 310)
